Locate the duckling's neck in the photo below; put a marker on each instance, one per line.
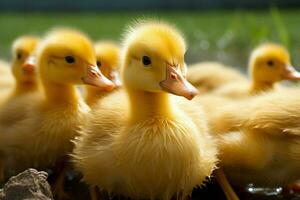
(144, 105)
(261, 86)
(94, 94)
(60, 93)
(25, 87)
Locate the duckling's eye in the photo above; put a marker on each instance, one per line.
(270, 63)
(19, 56)
(70, 59)
(98, 63)
(146, 60)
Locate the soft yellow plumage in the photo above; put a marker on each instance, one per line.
(269, 63)
(209, 76)
(108, 56)
(6, 78)
(144, 142)
(259, 138)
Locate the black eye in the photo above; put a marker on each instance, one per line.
(70, 59)
(19, 56)
(270, 63)
(98, 63)
(146, 60)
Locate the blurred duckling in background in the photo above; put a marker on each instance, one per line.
(146, 123)
(209, 76)
(6, 78)
(269, 63)
(43, 139)
(24, 70)
(24, 64)
(14, 99)
(259, 138)
(107, 54)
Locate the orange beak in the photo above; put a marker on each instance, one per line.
(290, 73)
(96, 78)
(115, 78)
(29, 65)
(176, 84)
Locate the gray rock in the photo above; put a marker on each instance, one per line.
(28, 185)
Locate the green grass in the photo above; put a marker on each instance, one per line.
(227, 36)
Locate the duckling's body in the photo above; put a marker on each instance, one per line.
(141, 124)
(269, 64)
(208, 76)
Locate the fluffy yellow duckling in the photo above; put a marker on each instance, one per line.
(107, 54)
(43, 139)
(145, 143)
(209, 76)
(21, 79)
(26, 85)
(259, 139)
(269, 64)
(16, 99)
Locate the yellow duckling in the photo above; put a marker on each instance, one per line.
(209, 76)
(145, 143)
(21, 78)
(24, 64)
(43, 139)
(269, 64)
(107, 54)
(26, 85)
(259, 139)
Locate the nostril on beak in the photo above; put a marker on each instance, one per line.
(173, 76)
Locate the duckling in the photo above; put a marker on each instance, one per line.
(209, 76)
(26, 84)
(146, 123)
(260, 142)
(43, 138)
(269, 63)
(107, 54)
(14, 101)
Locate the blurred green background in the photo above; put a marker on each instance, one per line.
(213, 32)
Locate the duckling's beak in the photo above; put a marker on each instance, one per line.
(290, 73)
(29, 65)
(96, 78)
(115, 78)
(176, 84)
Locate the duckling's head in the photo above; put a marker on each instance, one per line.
(271, 63)
(23, 62)
(154, 60)
(67, 57)
(107, 54)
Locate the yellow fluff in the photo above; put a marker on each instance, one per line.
(260, 138)
(145, 143)
(269, 63)
(6, 78)
(209, 76)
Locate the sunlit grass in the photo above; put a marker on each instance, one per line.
(227, 36)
